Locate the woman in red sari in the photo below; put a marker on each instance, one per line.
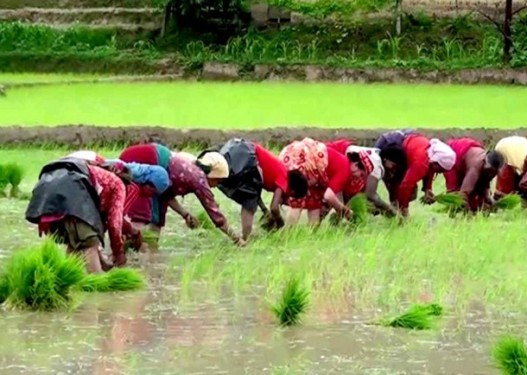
(327, 172)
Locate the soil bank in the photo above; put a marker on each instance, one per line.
(85, 136)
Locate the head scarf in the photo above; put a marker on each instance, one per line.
(219, 168)
(373, 155)
(87, 155)
(153, 174)
(366, 162)
(185, 155)
(441, 153)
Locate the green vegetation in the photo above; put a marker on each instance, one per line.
(262, 105)
(418, 317)
(14, 173)
(509, 202)
(426, 43)
(360, 207)
(510, 356)
(41, 278)
(292, 304)
(117, 279)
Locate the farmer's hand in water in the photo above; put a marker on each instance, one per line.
(137, 240)
(428, 198)
(191, 221)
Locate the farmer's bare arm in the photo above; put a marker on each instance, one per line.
(176, 206)
(332, 199)
(371, 192)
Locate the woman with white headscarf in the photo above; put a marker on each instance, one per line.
(418, 158)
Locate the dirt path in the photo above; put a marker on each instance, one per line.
(82, 136)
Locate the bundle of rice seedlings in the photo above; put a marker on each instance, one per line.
(359, 206)
(14, 174)
(204, 221)
(292, 304)
(508, 202)
(452, 202)
(150, 237)
(418, 317)
(510, 356)
(412, 319)
(4, 179)
(117, 279)
(41, 278)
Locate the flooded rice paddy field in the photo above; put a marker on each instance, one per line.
(205, 310)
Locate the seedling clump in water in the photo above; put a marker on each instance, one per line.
(510, 356)
(117, 279)
(418, 317)
(41, 278)
(292, 304)
(508, 202)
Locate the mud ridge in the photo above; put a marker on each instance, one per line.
(85, 136)
(168, 69)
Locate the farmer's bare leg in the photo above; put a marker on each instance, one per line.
(293, 215)
(313, 217)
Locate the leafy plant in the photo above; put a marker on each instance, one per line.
(292, 304)
(508, 202)
(41, 278)
(14, 174)
(359, 206)
(510, 356)
(117, 279)
(418, 317)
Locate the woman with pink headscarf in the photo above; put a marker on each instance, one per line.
(328, 174)
(416, 158)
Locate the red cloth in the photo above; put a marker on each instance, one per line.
(340, 145)
(338, 171)
(274, 173)
(454, 177)
(45, 223)
(143, 154)
(507, 180)
(113, 201)
(141, 211)
(416, 149)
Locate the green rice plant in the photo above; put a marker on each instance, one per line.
(4, 179)
(14, 173)
(292, 304)
(150, 237)
(117, 279)
(510, 356)
(453, 203)
(204, 221)
(418, 317)
(508, 202)
(359, 206)
(41, 278)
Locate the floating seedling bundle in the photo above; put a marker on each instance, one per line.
(292, 304)
(418, 317)
(510, 356)
(43, 278)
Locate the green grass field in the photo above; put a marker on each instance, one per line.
(263, 105)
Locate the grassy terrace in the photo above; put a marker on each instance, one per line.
(262, 105)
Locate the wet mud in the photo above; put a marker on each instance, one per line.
(83, 136)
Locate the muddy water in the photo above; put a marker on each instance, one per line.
(150, 332)
(155, 332)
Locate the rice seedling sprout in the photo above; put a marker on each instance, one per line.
(292, 304)
(508, 202)
(41, 278)
(510, 356)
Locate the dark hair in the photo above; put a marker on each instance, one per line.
(297, 183)
(395, 153)
(354, 157)
(205, 168)
(495, 159)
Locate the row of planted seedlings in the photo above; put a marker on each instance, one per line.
(509, 353)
